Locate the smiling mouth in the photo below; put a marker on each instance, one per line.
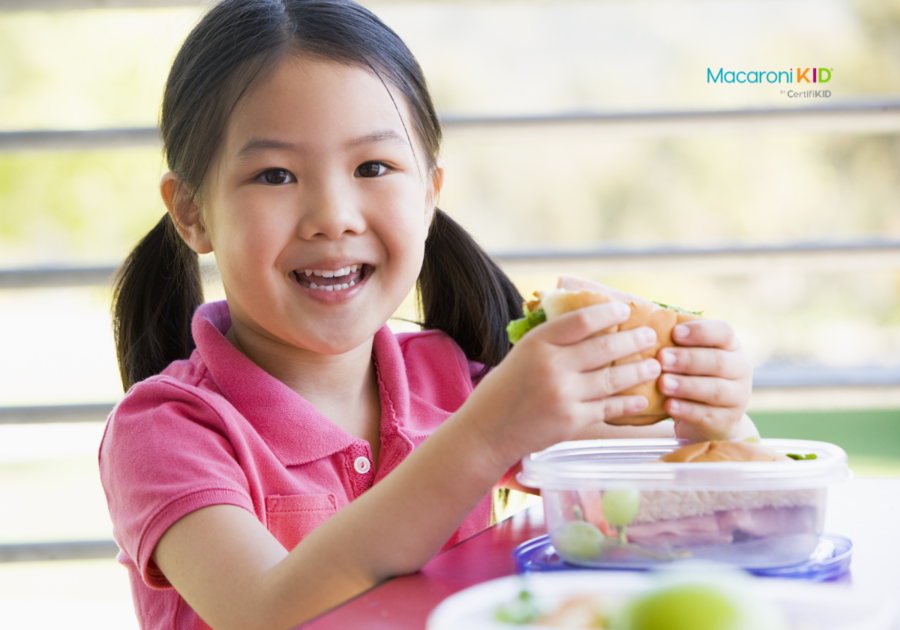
(330, 280)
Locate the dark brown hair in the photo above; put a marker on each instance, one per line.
(237, 44)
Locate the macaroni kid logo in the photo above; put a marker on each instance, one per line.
(792, 77)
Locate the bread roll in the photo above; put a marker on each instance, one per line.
(643, 313)
(724, 451)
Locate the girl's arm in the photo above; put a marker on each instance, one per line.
(235, 574)
(550, 388)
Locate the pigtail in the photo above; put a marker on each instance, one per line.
(156, 293)
(464, 293)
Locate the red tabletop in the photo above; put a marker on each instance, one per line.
(405, 602)
(865, 510)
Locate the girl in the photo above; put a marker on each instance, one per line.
(282, 451)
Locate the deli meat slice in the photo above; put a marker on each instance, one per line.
(685, 532)
(723, 528)
(767, 522)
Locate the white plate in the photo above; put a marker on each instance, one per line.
(807, 606)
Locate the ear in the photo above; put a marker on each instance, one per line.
(185, 213)
(437, 183)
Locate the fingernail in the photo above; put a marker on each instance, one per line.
(621, 309)
(667, 359)
(674, 407)
(650, 368)
(648, 334)
(669, 384)
(681, 332)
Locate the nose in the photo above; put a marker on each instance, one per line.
(330, 209)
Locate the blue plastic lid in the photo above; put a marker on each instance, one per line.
(830, 560)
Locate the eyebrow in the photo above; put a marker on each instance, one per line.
(258, 145)
(385, 135)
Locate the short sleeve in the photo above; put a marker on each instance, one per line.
(437, 369)
(165, 454)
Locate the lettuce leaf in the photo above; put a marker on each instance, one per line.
(518, 327)
(678, 309)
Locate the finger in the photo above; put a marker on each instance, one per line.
(708, 390)
(612, 380)
(700, 422)
(579, 324)
(595, 352)
(711, 333)
(613, 407)
(705, 362)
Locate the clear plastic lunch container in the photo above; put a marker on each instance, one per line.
(609, 504)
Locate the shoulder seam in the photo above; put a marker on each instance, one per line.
(172, 383)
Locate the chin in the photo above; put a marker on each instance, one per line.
(334, 345)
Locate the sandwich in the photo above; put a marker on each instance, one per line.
(681, 518)
(662, 318)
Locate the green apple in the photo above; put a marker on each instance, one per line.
(700, 605)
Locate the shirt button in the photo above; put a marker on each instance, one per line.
(362, 465)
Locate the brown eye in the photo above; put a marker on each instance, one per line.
(276, 176)
(370, 169)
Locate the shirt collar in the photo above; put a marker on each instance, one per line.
(295, 430)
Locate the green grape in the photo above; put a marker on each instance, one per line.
(578, 540)
(621, 506)
(524, 609)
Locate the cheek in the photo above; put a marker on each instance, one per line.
(407, 208)
(244, 239)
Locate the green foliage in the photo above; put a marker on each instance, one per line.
(866, 433)
(89, 206)
(83, 69)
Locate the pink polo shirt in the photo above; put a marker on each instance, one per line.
(217, 429)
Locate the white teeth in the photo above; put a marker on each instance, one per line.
(324, 273)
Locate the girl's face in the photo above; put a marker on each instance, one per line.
(317, 208)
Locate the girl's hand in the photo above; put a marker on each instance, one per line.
(708, 382)
(553, 384)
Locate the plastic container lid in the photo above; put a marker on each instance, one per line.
(602, 464)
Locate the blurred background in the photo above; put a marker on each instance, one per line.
(580, 137)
